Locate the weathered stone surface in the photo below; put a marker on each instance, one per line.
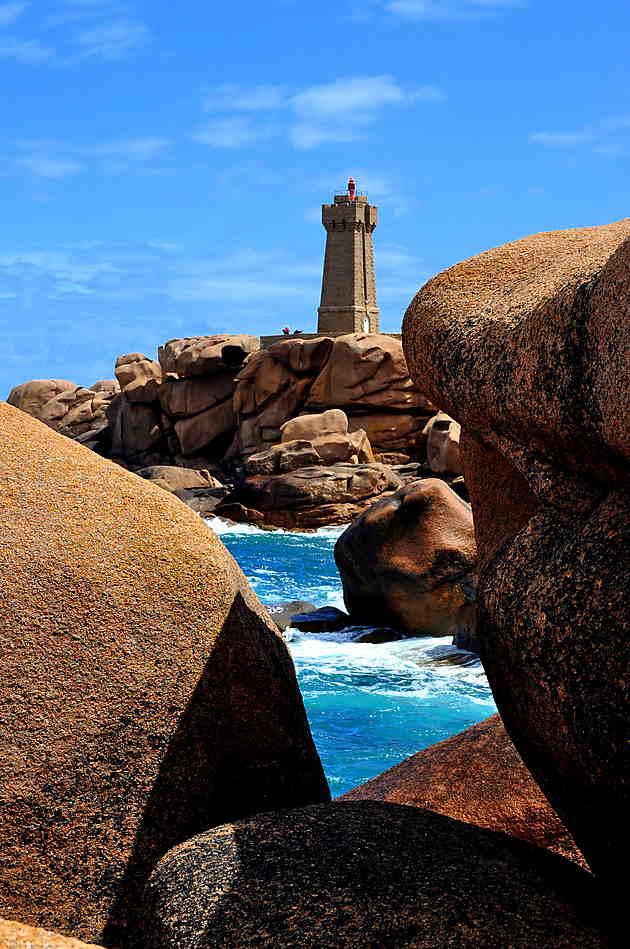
(333, 421)
(199, 431)
(201, 355)
(310, 487)
(478, 777)
(442, 434)
(288, 456)
(391, 431)
(18, 936)
(335, 448)
(410, 562)
(203, 501)
(110, 387)
(267, 394)
(366, 371)
(528, 347)
(359, 874)
(302, 356)
(32, 396)
(138, 376)
(172, 478)
(134, 430)
(182, 397)
(145, 694)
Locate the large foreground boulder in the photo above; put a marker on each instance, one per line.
(366, 874)
(17, 936)
(478, 777)
(410, 562)
(145, 694)
(527, 346)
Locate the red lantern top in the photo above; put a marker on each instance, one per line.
(352, 189)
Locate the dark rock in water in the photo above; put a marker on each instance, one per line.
(477, 776)
(351, 875)
(381, 634)
(410, 561)
(327, 619)
(527, 346)
(283, 613)
(203, 501)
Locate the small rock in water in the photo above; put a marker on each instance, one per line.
(327, 619)
(381, 634)
(282, 613)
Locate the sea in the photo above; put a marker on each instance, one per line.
(369, 705)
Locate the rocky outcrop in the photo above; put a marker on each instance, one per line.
(206, 355)
(442, 434)
(171, 478)
(527, 346)
(139, 377)
(477, 777)
(17, 936)
(145, 693)
(365, 375)
(353, 874)
(68, 408)
(410, 561)
(307, 496)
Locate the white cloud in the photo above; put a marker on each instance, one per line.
(110, 41)
(337, 111)
(561, 139)
(50, 167)
(10, 12)
(231, 97)
(231, 132)
(446, 9)
(25, 52)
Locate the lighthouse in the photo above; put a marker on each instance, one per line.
(348, 301)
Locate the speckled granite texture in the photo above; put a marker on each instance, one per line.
(17, 936)
(528, 347)
(478, 777)
(145, 695)
(358, 875)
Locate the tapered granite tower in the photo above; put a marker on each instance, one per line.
(348, 303)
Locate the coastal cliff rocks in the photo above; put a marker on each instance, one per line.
(527, 346)
(206, 355)
(410, 562)
(363, 374)
(312, 496)
(359, 874)
(145, 693)
(17, 936)
(442, 434)
(139, 377)
(477, 777)
(67, 408)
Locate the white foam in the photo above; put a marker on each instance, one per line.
(221, 526)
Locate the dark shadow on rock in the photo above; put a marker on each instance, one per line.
(231, 755)
(367, 874)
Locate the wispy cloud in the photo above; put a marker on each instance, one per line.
(111, 41)
(447, 9)
(53, 159)
(44, 167)
(337, 111)
(608, 137)
(75, 30)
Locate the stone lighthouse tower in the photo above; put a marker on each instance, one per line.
(348, 303)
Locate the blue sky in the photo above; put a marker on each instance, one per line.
(162, 166)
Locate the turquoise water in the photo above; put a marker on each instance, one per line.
(369, 705)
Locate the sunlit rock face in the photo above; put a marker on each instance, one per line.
(527, 347)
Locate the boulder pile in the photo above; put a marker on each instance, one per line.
(254, 417)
